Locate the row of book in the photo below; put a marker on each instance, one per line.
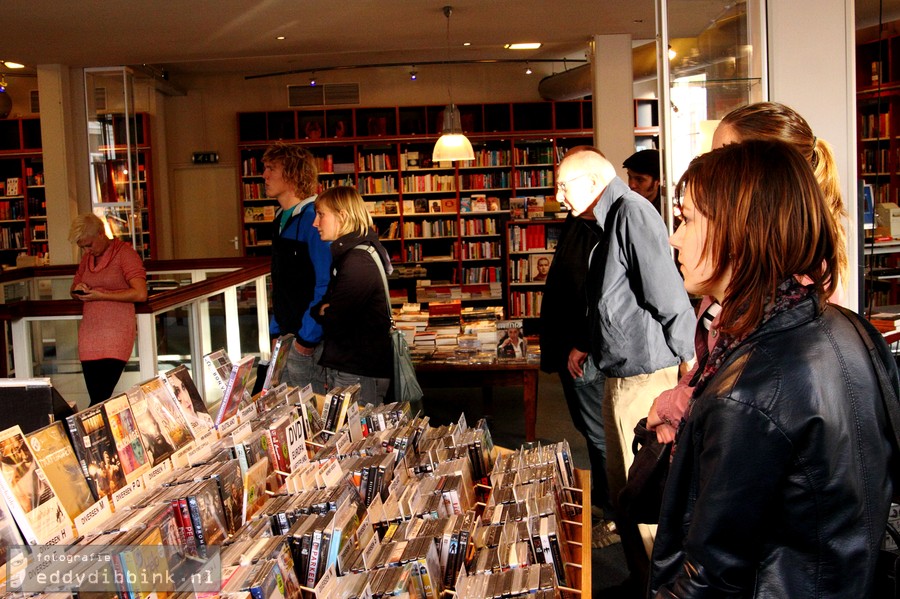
(253, 190)
(480, 226)
(386, 184)
(494, 180)
(428, 182)
(525, 304)
(12, 209)
(535, 207)
(525, 238)
(428, 229)
(875, 125)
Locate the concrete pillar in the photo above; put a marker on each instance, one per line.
(613, 98)
(62, 126)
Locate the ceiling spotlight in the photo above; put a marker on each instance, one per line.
(672, 53)
(12, 65)
(312, 80)
(528, 70)
(2, 84)
(413, 74)
(280, 37)
(523, 46)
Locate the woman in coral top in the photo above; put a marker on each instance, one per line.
(109, 280)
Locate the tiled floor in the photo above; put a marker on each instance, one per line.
(507, 423)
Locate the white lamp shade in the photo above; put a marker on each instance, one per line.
(452, 146)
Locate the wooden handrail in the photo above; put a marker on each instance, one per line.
(247, 268)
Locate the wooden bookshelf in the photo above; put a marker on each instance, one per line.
(386, 153)
(23, 208)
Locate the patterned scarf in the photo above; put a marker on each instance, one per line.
(788, 294)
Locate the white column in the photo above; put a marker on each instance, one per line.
(811, 69)
(613, 97)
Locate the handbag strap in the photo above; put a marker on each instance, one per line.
(888, 390)
(387, 293)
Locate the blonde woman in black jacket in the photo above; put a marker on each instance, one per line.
(779, 485)
(354, 313)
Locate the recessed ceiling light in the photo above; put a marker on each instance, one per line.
(13, 65)
(467, 43)
(524, 46)
(280, 37)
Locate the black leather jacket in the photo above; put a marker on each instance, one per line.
(779, 486)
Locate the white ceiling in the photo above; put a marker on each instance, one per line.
(235, 36)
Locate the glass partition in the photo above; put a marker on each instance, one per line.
(714, 61)
(116, 167)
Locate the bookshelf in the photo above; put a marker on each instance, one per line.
(531, 245)
(423, 211)
(878, 108)
(23, 208)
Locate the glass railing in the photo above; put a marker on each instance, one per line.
(193, 308)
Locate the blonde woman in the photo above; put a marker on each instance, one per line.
(354, 312)
(109, 280)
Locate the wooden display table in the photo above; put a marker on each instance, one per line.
(461, 374)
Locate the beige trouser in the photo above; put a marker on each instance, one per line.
(625, 402)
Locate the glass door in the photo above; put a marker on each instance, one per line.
(116, 170)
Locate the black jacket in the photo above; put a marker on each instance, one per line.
(301, 262)
(357, 322)
(779, 486)
(564, 305)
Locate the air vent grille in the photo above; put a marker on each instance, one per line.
(35, 102)
(323, 95)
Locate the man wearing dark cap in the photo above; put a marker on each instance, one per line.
(643, 175)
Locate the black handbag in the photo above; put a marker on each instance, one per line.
(887, 570)
(641, 497)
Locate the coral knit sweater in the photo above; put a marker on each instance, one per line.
(108, 328)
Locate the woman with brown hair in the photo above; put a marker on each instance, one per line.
(779, 484)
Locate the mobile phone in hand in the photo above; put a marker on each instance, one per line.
(79, 292)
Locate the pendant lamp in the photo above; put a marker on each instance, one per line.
(452, 145)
